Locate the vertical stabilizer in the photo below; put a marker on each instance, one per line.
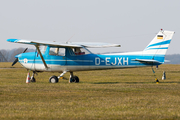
(159, 45)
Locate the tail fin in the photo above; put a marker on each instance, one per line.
(157, 48)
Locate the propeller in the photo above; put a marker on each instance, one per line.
(16, 60)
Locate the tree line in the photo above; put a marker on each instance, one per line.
(9, 55)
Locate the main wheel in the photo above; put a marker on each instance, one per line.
(76, 79)
(53, 79)
(71, 79)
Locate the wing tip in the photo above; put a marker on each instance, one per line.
(12, 40)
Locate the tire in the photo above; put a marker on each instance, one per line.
(53, 79)
(76, 79)
(33, 79)
(71, 80)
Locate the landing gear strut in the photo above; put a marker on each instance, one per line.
(73, 78)
(61, 76)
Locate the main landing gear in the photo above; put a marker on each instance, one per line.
(53, 79)
(72, 78)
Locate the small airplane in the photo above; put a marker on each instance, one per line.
(74, 56)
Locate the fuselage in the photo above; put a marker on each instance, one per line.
(70, 61)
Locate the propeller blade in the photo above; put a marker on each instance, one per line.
(16, 60)
(25, 50)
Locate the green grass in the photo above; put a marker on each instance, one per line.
(9, 65)
(105, 94)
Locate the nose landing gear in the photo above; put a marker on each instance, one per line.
(32, 77)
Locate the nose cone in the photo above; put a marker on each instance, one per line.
(18, 56)
(17, 59)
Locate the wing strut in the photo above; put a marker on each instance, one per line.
(37, 47)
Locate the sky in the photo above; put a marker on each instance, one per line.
(130, 23)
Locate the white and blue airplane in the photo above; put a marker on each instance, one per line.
(74, 56)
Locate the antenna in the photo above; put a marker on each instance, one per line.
(69, 39)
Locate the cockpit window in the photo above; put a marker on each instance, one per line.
(57, 51)
(80, 51)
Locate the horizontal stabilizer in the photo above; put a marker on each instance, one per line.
(149, 61)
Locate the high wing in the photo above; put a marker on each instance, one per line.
(67, 44)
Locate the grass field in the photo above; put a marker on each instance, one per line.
(105, 94)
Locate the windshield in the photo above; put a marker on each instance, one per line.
(42, 49)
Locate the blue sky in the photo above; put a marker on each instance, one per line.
(131, 23)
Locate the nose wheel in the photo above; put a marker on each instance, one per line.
(32, 77)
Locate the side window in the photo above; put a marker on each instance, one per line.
(62, 51)
(80, 51)
(57, 51)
